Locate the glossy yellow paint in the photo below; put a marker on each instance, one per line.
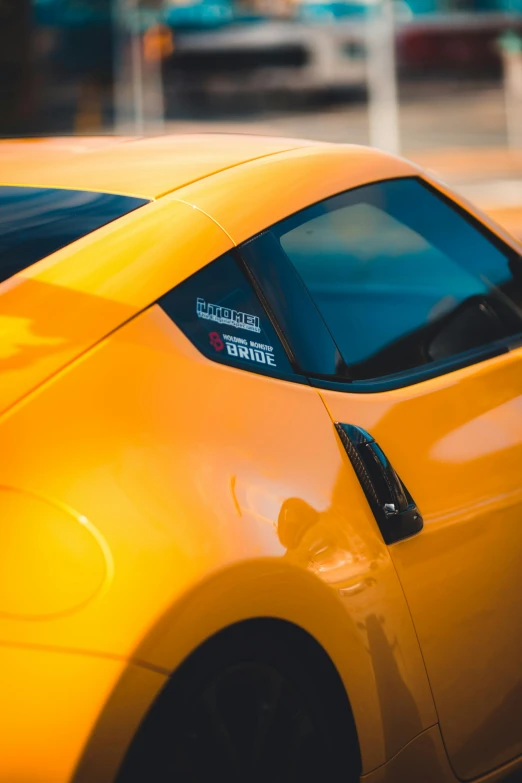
(252, 197)
(169, 496)
(479, 731)
(456, 441)
(188, 489)
(64, 304)
(77, 565)
(139, 167)
(51, 700)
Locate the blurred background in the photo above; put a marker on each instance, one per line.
(439, 81)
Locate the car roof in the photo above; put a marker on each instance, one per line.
(59, 307)
(147, 168)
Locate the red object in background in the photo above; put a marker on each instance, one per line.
(454, 44)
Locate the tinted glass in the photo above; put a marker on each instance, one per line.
(220, 313)
(35, 222)
(401, 277)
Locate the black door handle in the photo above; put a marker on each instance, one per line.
(393, 507)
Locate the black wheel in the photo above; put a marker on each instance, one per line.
(251, 706)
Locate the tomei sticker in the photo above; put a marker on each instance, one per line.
(227, 316)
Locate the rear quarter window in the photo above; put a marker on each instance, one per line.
(219, 311)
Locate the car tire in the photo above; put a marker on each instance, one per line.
(261, 702)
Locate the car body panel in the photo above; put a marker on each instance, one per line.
(59, 307)
(456, 442)
(175, 496)
(423, 759)
(54, 698)
(148, 168)
(221, 495)
(260, 193)
(62, 305)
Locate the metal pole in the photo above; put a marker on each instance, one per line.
(120, 102)
(383, 103)
(129, 98)
(511, 51)
(137, 70)
(154, 48)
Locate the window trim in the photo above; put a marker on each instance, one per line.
(265, 304)
(426, 372)
(414, 375)
(289, 281)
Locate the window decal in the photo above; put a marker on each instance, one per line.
(215, 341)
(219, 311)
(227, 316)
(249, 350)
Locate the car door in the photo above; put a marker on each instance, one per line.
(404, 312)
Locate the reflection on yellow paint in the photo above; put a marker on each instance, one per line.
(16, 333)
(53, 561)
(323, 541)
(497, 429)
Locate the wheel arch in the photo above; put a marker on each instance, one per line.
(275, 641)
(267, 591)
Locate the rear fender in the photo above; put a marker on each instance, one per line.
(212, 495)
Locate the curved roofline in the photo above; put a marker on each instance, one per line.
(147, 168)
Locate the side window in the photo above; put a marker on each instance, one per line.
(218, 310)
(400, 277)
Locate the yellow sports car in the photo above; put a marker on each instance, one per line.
(213, 351)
